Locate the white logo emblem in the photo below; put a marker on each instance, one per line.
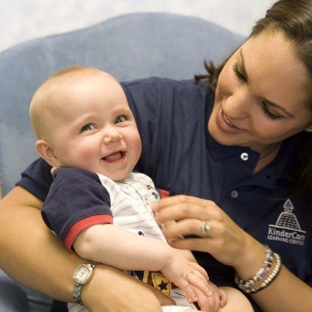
(287, 228)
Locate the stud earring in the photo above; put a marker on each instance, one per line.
(309, 129)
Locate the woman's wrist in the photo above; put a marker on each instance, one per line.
(266, 274)
(250, 258)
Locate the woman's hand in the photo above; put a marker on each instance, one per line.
(225, 241)
(230, 245)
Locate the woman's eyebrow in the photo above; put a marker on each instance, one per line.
(242, 67)
(243, 71)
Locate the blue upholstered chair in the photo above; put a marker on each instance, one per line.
(128, 47)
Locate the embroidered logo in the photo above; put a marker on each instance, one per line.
(287, 228)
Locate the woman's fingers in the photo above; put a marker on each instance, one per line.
(180, 207)
(181, 228)
(196, 244)
(180, 200)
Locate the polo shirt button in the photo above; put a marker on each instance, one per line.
(234, 194)
(244, 156)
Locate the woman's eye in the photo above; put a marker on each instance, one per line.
(87, 127)
(120, 119)
(268, 113)
(237, 72)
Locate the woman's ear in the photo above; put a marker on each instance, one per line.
(46, 152)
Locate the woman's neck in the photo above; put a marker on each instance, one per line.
(267, 157)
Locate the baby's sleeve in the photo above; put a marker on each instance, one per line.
(76, 200)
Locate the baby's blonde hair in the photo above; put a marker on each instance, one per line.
(40, 105)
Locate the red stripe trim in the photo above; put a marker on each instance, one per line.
(83, 224)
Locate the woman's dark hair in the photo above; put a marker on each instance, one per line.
(293, 18)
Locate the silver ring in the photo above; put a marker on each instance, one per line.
(205, 229)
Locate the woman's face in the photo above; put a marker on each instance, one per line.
(261, 97)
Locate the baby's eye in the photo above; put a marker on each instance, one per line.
(87, 127)
(120, 119)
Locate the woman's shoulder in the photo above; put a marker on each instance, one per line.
(150, 94)
(154, 84)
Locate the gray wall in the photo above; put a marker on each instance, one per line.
(22, 20)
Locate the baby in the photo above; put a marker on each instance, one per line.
(97, 205)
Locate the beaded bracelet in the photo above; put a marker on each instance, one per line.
(249, 287)
(273, 275)
(261, 273)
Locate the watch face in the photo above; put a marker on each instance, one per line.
(82, 274)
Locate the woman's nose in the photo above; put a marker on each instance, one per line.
(237, 105)
(111, 136)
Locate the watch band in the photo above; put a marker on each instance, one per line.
(77, 293)
(82, 276)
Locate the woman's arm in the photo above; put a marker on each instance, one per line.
(232, 246)
(286, 293)
(25, 243)
(36, 258)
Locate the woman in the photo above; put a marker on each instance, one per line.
(263, 101)
(237, 149)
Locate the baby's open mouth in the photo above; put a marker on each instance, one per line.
(114, 156)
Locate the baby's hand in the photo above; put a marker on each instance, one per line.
(212, 303)
(187, 275)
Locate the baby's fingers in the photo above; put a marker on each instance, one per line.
(189, 293)
(197, 280)
(203, 272)
(223, 297)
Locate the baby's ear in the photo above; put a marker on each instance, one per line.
(46, 152)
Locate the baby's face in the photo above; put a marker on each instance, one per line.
(93, 127)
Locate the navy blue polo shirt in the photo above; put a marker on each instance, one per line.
(181, 157)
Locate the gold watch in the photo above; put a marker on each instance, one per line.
(82, 276)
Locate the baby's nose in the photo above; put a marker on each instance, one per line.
(112, 137)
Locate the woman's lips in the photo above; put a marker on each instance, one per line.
(227, 121)
(226, 125)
